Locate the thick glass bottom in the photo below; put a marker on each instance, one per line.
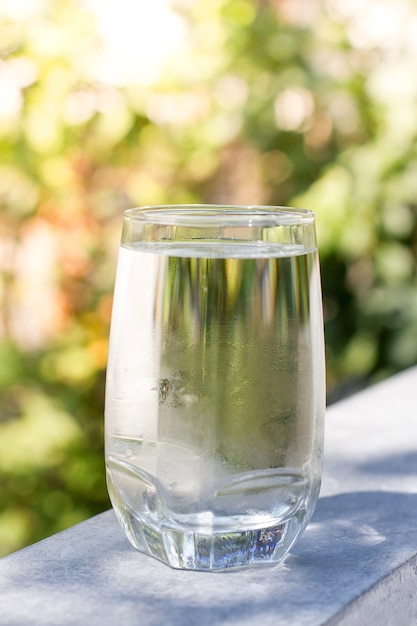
(193, 550)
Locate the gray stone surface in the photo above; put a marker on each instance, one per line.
(355, 565)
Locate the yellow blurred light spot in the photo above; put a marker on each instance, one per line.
(15, 527)
(42, 131)
(10, 37)
(241, 12)
(145, 189)
(98, 350)
(73, 364)
(56, 172)
(10, 128)
(112, 128)
(360, 356)
(45, 39)
(38, 436)
(202, 165)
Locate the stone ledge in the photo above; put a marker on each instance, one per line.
(356, 564)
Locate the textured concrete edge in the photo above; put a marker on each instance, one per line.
(86, 529)
(392, 600)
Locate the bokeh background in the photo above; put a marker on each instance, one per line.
(107, 104)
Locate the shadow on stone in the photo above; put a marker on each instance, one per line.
(405, 464)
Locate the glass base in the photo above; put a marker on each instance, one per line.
(191, 550)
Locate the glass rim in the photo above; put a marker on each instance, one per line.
(219, 214)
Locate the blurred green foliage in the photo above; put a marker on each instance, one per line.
(254, 102)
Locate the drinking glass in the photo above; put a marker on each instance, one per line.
(215, 383)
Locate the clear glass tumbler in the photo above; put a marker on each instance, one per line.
(215, 387)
